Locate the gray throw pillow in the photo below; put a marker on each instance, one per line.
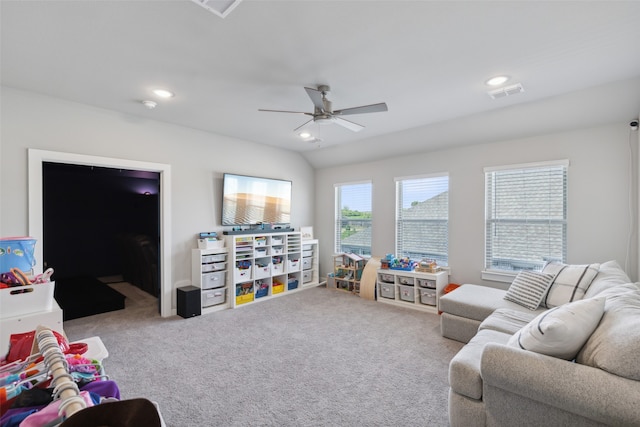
(529, 288)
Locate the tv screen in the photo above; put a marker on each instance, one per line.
(248, 200)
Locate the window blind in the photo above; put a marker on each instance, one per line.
(422, 218)
(526, 216)
(353, 218)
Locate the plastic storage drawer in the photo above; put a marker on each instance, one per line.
(404, 280)
(213, 297)
(407, 293)
(306, 263)
(387, 290)
(428, 296)
(214, 267)
(213, 258)
(386, 278)
(306, 276)
(213, 280)
(427, 283)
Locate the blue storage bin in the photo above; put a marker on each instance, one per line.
(292, 284)
(17, 252)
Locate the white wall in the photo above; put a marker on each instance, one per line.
(197, 161)
(598, 200)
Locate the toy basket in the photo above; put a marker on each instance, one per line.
(17, 252)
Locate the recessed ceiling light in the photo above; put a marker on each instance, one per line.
(497, 80)
(163, 93)
(150, 104)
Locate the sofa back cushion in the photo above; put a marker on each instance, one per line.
(610, 274)
(615, 344)
(570, 282)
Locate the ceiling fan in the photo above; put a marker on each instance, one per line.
(323, 112)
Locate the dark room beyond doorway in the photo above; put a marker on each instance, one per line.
(100, 222)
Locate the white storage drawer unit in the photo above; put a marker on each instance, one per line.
(413, 289)
(209, 273)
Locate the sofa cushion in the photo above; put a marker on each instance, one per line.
(477, 302)
(615, 344)
(529, 288)
(507, 320)
(464, 368)
(570, 282)
(610, 274)
(561, 331)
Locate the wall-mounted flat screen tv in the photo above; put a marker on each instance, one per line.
(249, 200)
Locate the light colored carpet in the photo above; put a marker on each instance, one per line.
(319, 357)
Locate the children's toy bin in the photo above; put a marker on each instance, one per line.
(428, 296)
(427, 283)
(244, 292)
(21, 300)
(407, 293)
(277, 287)
(292, 283)
(17, 252)
(387, 290)
(386, 278)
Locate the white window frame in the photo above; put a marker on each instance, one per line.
(508, 275)
(338, 244)
(400, 250)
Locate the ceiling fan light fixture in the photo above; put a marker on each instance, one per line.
(305, 135)
(497, 80)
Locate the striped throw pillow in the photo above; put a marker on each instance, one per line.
(529, 288)
(570, 282)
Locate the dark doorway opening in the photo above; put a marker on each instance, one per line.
(100, 222)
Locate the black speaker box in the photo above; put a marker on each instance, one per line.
(188, 300)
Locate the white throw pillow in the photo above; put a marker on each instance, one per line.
(528, 288)
(570, 283)
(561, 331)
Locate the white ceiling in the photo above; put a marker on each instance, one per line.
(579, 63)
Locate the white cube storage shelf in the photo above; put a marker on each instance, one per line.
(411, 289)
(269, 265)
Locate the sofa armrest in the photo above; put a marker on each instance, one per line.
(582, 390)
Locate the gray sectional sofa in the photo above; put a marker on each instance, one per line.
(495, 382)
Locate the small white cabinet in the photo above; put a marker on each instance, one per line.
(263, 266)
(209, 269)
(411, 289)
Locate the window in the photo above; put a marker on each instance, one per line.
(526, 215)
(422, 218)
(353, 218)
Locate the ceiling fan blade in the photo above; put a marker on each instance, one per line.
(302, 125)
(283, 111)
(348, 124)
(316, 98)
(373, 108)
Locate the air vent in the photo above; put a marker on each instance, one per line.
(506, 91)
(219, 7)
